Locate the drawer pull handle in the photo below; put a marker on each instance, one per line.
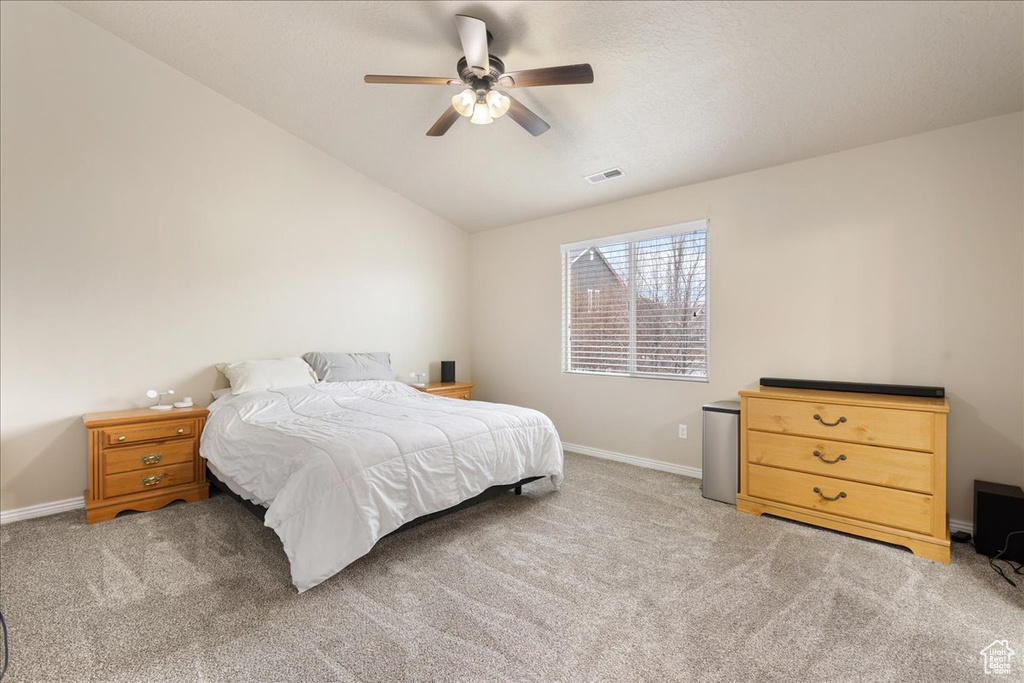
(152, 458)
(121, 438)
(842, 494)
(820, 456)
(181, 430)
(157, 478)
(841, 420)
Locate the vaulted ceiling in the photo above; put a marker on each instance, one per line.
(683, 92)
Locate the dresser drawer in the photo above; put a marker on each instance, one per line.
(148, 480)
(860, 424)
(148, 456)
(911, 470)
(115, 436)
(889, 507)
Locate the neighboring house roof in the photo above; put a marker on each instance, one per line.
(607, 264)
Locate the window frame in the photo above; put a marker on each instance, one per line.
(631, 237)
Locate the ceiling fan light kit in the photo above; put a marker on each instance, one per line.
(481, 106)
(481, 72)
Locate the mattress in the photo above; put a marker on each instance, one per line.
(339, 465)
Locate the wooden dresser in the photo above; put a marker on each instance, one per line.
(143, 460)
(463, 390)
(865, 464)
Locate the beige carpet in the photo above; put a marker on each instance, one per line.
(624, 575)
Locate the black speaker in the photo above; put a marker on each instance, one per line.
(857, 387)
(447, 371)
(998, 511)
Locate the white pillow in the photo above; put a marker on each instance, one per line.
(217, 393)
(257, 375)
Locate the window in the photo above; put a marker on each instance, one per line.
(636, 304)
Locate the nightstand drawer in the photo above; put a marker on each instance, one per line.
(459, 390)
(908, 429)
(148, 456)
(148, 480)
(911, 470)
(129, 434)
(464, 394)
(893, 508)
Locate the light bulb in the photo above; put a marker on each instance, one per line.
(464, 102)
(497, 103)
(481, 114)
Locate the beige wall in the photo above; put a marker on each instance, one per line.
(150, 228)
(901, 262)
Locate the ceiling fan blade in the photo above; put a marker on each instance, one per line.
(448, 118)
(518, 112)
(410, 80)
(553, 75)
(473, 34)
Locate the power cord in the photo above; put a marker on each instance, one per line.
(999, 570)
(7, 657)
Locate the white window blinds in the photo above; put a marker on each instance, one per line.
(636, 304)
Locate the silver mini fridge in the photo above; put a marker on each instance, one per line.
(721, 458)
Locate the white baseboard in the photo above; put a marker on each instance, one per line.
(960, 525)
(41, 510)
(692, 472)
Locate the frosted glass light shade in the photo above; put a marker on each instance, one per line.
(497, 103)
(464, 102)
(481, 114)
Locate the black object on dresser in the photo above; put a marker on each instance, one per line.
(447, 371)
(855, 387)
(998, 512)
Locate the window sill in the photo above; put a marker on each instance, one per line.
(640, 375)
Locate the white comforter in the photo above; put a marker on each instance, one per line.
(339, 465)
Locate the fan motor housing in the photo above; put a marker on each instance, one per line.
(497, 68)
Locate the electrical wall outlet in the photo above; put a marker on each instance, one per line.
(682, 431)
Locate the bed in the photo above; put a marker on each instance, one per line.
(339, 465)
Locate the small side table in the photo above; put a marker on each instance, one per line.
(463, 390)
(143, 460)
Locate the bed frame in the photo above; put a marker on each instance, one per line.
(261, 512)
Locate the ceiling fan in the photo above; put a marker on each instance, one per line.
(482, 74)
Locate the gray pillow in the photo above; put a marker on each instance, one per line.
(347, 367)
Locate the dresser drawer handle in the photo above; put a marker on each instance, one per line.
(829, 424)
(181, 430)
(821, 457)
(842, 494)
(152, 458)
(157, 478)
(121, 438)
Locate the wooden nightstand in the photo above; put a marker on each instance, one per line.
(143, 460)
(463, 390)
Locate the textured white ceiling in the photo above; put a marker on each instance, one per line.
(683, 92)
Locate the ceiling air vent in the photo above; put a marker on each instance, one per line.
(596, 178)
